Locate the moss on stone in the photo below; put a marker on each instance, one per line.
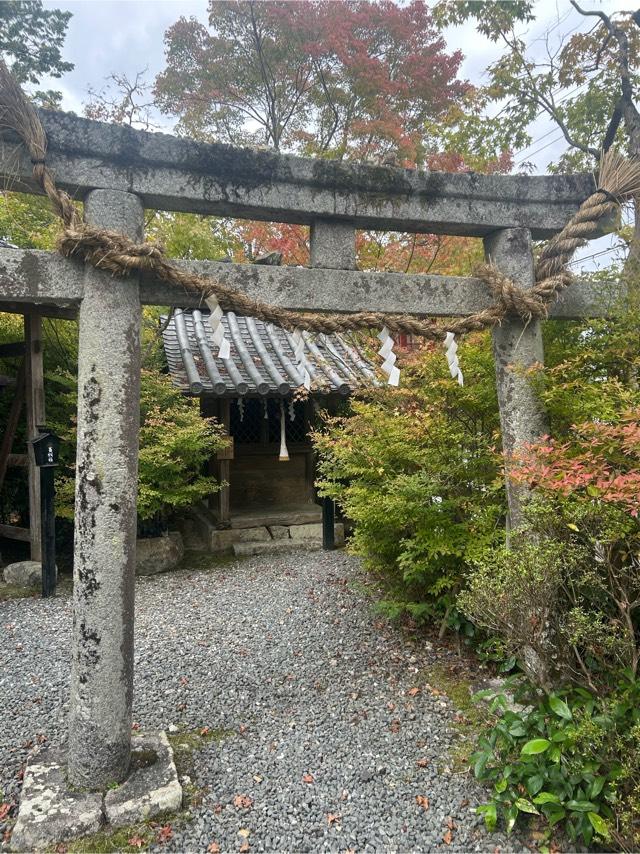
(15, 591)
(197, 560)
(473, 715)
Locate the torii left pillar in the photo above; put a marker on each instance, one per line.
(105, 509)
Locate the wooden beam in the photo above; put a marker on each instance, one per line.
(13, 532)
(18, 460)
(12, 423)
(34, 391)
(14, 348)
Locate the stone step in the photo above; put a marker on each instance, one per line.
(274, 547)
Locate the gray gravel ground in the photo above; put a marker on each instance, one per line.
(285, 655)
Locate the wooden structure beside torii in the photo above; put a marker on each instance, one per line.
(28, 396)
(117, 172)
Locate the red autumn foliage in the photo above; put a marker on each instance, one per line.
(600, 462)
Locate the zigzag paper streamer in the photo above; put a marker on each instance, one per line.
(388, 357)
(451, 352)
(301, 358)
(215, 322)
(240, 403)
(292, 410)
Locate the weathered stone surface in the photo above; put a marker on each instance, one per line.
(24, 573)
(271, 547)
(517, 346)
(193, 537)
(50, 812)
(313, 533)
(151, 788)
(279, 532)
(333, 244)
(158, 554)
(105, 510)
(222, 541)
(29, 275)
(178, 174)
(259, 534)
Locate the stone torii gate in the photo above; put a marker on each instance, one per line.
(118, 172)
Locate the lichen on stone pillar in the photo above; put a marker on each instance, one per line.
(105, 509)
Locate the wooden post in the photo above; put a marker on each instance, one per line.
(105, 511)
(34, 395)
(516, 346)
(12, 423)
(224, 467)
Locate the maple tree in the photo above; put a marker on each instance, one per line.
(346, 78)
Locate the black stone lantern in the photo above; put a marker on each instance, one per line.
(46, 451)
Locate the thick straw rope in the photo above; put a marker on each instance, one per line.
(117, 254)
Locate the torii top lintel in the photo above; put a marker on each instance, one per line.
(170, 173)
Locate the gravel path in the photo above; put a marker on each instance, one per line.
(324, 732)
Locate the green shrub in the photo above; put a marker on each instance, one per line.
(415, 469)
(572, 760)
(175, 444)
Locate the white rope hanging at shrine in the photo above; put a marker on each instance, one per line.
(215, 322)
(451, 352)
(388, 357)
(301, 359)
(284, 453)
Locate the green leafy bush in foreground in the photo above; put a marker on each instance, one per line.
(570, 760)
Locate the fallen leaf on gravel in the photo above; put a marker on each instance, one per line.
(135, 725)
(135, 841)
(257, 778)
(451, 823)
(244, 847)
(205, 731)
(464, 802)
(395, 726)
(61, 848)
(391, 706)
(308, 778)
(422, 801)
(242, 802)
(344, 795)
(244, 833)
(422, 763)
(413, 691)
(333, 818)
(164, 834)
(184, 680)
(242, 729)
(218, 809)
(448, 838)
(4, 811)
(213, 848)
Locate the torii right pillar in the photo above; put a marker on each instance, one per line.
(517, 347)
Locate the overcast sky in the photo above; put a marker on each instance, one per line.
(128, 35)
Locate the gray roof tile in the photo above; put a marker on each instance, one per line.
(262, 359)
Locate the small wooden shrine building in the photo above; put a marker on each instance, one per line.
(258, 394)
